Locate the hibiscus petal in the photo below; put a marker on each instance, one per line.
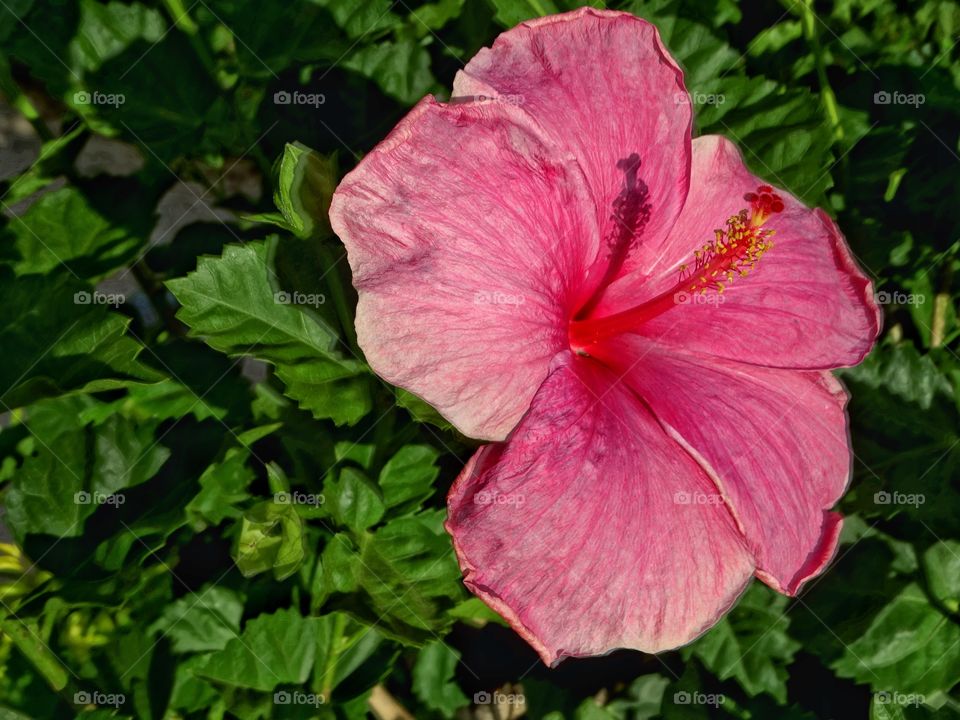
(576, 530)
(775, 442)
(806, 305)
(602, 85)
(468, 240)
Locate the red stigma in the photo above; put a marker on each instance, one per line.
(764, 201)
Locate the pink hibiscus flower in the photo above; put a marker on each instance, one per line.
(641, 327)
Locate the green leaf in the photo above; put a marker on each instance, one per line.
(144, 97)
(66, 481)
(401, 69)
(905, 431)
(41, 498)
(254, 35)
(513, 12)
(57, 340)
(190, 693)
(910, 647)
(229, 301)
(434, 15)
(107, 29)
(202, 621)
(782, 133)
(433, 679)
(403, 577)
(358, 453)
(55, 157)
(271, 538)
(361, 18)
(352, 658)
(338, 570)
(273, 649)
(160, 401)
(420, 410)
(750, 644)
(305, 183)
(353, 500)
(410, 560)
(941, 566)
(407, 478)
(223, 486)
(124, 455)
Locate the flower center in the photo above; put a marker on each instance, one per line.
(734, 252)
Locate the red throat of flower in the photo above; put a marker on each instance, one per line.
(733, 253)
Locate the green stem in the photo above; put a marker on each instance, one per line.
(329, 670)
(826, 91)
(180, 16)
(37, 653)
(941, 303)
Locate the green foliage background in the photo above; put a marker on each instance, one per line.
(171, 424)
